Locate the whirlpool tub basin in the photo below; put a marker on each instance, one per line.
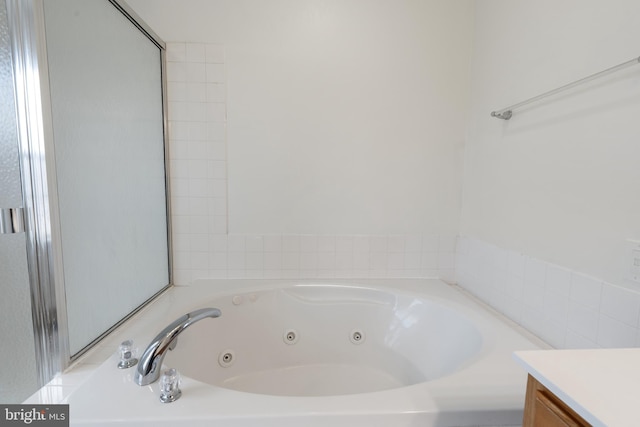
(319, 340)
(372, 353)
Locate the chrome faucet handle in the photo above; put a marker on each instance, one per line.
(127, 355)
(170, 386)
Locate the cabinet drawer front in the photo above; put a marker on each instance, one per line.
(549, 414)
(544, 409)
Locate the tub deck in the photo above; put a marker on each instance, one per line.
(488, 391)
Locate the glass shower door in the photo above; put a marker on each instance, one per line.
(105, 84)
(19, 373)
(84, 236)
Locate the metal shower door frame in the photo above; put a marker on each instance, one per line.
(39, 186)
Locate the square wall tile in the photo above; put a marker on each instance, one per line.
(586, 290)
(254, 243)
(430, 243)
(215, 73)
(272, 243)
(615, 334)
(378, 244)
(558, 280)
(583, 321)
(176, 52)
(195, 52)
(291, 243)
(345, 244)
(620, 304)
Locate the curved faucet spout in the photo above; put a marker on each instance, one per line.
(150, 363)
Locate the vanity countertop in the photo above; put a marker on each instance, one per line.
(601, 385)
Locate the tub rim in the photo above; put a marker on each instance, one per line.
(460, 395)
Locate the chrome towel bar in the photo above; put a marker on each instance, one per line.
(507, 112)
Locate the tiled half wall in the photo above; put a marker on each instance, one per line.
(563, 307)
(316, 256)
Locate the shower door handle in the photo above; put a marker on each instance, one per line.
(11, 220)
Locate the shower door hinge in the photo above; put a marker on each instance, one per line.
(11, 220)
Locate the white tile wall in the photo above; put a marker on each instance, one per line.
(321, 256)
(196, 87)
(197, 97)
(565, 308)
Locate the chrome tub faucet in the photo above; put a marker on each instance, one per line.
(150, 363)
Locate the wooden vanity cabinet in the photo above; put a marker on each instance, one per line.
(544, 409)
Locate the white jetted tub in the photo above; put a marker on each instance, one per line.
(372, 353)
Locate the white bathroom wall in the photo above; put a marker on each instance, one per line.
(202, 248)
(554, 188)
(343, 117)
(557, 181)
(350, 124)
(324, 137)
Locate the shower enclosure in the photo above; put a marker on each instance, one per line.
(85, 233)
(19, 376)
